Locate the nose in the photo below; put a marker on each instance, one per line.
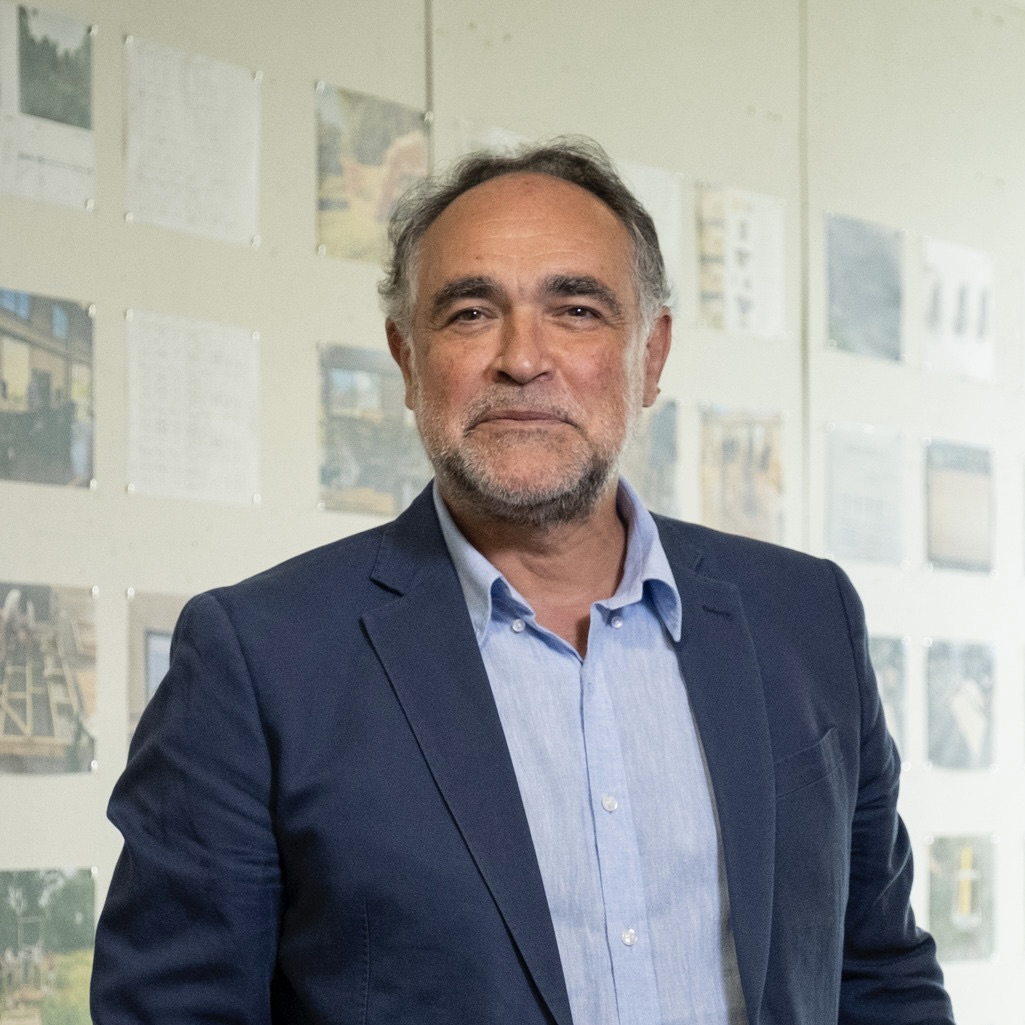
(523, 354)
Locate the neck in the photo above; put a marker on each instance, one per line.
(560, 568)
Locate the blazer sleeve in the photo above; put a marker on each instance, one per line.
(890, 975)
(189, 929)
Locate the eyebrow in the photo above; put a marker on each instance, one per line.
(585, 286)
(566, 286)
(469, 287)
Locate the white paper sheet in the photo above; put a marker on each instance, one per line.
(191, 142)
(741, 258)
(47, 150)
(866, 489)
(193, 409)
(958, 311)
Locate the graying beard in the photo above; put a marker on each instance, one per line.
(530, 509)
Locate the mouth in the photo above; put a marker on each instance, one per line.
(521, 417)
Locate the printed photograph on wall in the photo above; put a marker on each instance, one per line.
(46, 935)
(741, 261)
(371, 458)
(865, 497)
(47, 678)
(369, 151)
(46, 390)
(960, 701)
(865, 287)
(889, 662)
(961, 897)
(958, 309)
(151, 621)
(741, 472)
(649, 461)
(47, 150)
(959, 506)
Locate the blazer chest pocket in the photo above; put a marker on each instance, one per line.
(809, 765)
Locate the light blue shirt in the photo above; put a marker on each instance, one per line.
(615, 789)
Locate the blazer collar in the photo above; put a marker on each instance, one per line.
(724, 685)
(426, 643)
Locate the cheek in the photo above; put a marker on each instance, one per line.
(446, 383)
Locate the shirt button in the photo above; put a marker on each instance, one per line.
(629, 937)
(518, 626)
(609, 803)
(616, 621)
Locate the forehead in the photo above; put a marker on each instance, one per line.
(526, 222)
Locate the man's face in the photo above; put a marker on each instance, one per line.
(525, 367)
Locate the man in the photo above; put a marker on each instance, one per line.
(526, 754)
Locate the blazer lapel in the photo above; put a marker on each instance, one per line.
(426, 644)
(724, 686)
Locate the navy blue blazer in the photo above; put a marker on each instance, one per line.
(322, 822)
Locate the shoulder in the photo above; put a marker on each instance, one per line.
(716, 553)
(767, 575)
(352, 571)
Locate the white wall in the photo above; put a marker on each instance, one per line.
(906, 112)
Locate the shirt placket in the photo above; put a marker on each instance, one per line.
(619, 860)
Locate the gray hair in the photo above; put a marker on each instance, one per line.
(575, 159)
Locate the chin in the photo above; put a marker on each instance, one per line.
(527, 497)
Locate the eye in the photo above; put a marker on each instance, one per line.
(467, 316)
(581, 312)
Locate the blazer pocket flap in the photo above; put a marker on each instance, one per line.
(809, 765)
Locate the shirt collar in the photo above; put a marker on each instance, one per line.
(647, 575)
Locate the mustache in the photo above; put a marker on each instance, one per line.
(486, 407)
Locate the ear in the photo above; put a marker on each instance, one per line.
(399, 348)
(656, 352)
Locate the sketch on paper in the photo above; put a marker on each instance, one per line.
(960, 688)
(865, 508)
(741, 261)
(649, 460)
(959, 309)
(46, 390)
(889, 662)
(369, 151)
(742, 473)
(46, 935)
(192, 142)
(47, 151)
(865, 287)
(371, 457)
(959, 506)
(151, 621)
(193, 409)
(961, 897)
(47, 679)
